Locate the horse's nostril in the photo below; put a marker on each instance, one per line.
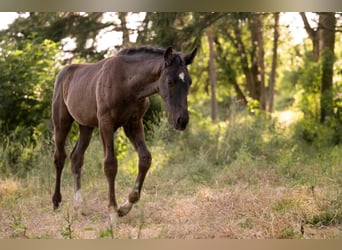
(181, 123)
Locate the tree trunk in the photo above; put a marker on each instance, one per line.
(241, 97)
(124, 29)
(323, 40)
(212, 74)
(244, 62)
(261, 61)
(327, 23)
(314, 36)
(257, 55)
(229, 71)
(274, 61)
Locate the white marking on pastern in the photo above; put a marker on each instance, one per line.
(78, 196)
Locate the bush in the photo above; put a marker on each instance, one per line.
(206, 152)
(27, 74)
(19, 154)
(317, 134)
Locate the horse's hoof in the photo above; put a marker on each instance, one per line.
(55, 205)
(121, 213)
(124, 209)
(56, 200)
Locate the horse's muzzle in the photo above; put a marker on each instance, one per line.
(181, 122)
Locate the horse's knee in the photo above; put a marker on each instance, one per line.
(59, 159)
(110, 163)
(76, 163)
(110, 167)
(145, 160)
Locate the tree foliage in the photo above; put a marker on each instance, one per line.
(56, 26)
(27, 73)
(245, 52)
(243, 44)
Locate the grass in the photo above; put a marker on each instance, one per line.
(245, 178)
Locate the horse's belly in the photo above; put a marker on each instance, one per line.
(83, 110)
(84, 116)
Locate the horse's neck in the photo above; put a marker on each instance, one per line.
(149, 89)
(146, 78)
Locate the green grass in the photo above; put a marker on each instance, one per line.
(270, 180)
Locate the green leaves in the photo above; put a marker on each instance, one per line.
(27, 73)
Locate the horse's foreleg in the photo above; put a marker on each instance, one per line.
(77, 157)
(135, 132)
(110, 162)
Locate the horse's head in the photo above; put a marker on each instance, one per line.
(174, 86)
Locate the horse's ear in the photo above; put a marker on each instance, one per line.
(190, 57)
(168, 56)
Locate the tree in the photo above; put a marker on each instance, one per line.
(274, 61)
(161, 29)
(183, 30)
(125, 32)
(212, 74)
(245, 32)
(55, 26)
(27, 74)
(258, 65)
(323, 40)
(227, 65)
(313, 35)
(327, 24)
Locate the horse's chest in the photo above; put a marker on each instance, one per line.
(128, 109)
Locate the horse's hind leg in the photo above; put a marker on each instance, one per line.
(77, 157)
(62, 127)
(135, 132)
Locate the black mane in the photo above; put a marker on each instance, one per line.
(141, 50)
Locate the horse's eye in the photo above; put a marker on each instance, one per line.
(172, 83)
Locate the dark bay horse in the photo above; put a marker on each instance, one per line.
(113, 93)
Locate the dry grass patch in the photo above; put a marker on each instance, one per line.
(237, 212)
(8, 187)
